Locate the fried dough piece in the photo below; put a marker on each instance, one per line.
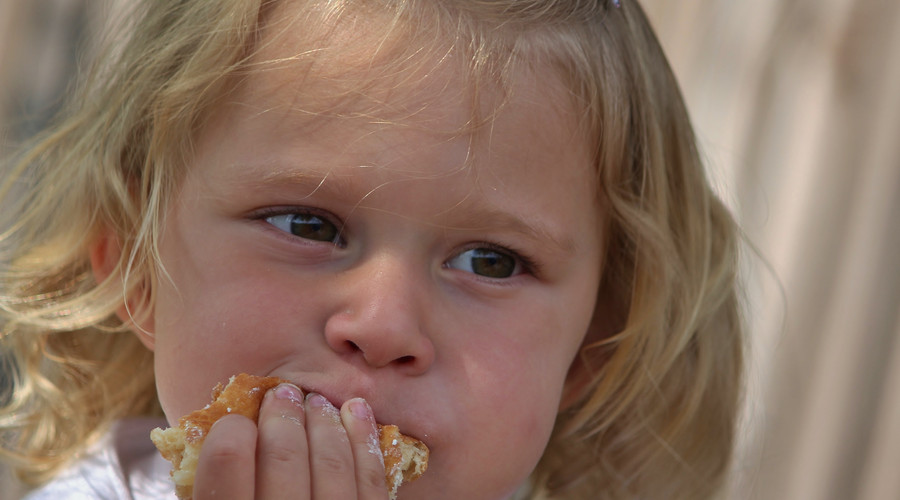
(405, 458)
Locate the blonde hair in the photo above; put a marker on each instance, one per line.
(656, 404)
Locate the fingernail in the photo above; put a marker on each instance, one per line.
(360, 409)
(289, 392)
(317, 400)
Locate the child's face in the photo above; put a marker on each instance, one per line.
(448, 279)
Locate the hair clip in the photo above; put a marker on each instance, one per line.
(617, 3)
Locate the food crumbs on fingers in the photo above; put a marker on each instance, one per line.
(318, 401)
(290, 393)
(375, 447)
(361, 410)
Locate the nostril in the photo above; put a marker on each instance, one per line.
(352, 347)
(405, 360)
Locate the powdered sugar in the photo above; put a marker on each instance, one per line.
(375, 447)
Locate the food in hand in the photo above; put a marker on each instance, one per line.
(405, 458)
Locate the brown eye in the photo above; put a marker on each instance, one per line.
(486, 262)
(307, 226)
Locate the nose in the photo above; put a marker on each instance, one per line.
(380, 317)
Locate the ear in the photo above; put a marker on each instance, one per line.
(105, 254)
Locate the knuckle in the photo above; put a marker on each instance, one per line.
(231, 442)
(227, 452)
(333, 465)
(278, 451)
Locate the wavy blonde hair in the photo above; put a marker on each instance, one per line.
(655, 394)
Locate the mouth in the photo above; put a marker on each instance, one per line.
(243, 395)
(385, 411)
(410, 450)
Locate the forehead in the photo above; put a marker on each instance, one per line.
(375, 65)
(316, 62)
(316, 113)
(348, 79)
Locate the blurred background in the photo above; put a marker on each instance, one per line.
(797, 107)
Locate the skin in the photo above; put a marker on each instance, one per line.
(377, 301)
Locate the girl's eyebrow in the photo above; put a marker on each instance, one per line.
(495, 219)
(467, 215)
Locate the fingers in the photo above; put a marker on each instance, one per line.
(331, 461)
(346, 461)
(300, 449)
(362, 431)
(282, 453)
(225, 470)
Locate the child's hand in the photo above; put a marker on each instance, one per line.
(300, 450)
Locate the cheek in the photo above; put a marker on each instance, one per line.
(196, 350)
(530, 359)
(523, 409)
(523, 377)
(527, 390)
(502, 417)
(208, 327)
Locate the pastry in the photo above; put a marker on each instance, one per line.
(405, 458)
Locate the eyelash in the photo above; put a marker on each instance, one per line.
(266, 213)
(529, 265)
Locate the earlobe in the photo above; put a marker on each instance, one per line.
(105, 256)
(147, 337)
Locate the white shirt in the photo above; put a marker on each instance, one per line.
(124, 465)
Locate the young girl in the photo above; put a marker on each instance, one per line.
(485, 222)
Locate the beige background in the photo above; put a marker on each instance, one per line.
(797, 105)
